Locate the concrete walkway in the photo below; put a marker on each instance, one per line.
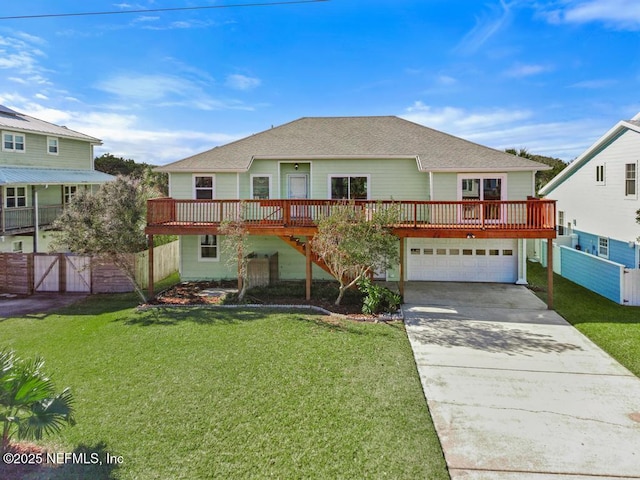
(515, 392)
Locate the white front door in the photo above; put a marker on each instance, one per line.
(297, 186)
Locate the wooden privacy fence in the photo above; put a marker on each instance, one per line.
(27, 273)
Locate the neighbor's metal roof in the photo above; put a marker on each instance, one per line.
(11, 120)
(50, 176)
(385, 137)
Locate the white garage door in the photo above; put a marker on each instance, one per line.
(477, 260)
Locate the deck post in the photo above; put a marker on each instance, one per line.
(401, 269)
(550, 273)
(307, 251)
(150, 282)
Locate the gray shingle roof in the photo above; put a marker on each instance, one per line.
(353, 137)
(11, 120)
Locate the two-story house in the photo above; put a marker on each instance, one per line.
(467, 209)
(597, 200)
(42, 166)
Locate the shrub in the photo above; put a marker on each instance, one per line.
(29, 405)
(377, 298)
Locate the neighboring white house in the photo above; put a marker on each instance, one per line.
(597, 199)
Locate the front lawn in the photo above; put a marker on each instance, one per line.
(614, 328)
(198, 393)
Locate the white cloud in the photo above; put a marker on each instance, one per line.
(446, 80)
(517, 128)
(595, 84)
(618, 14)
(242, 82)
(20, 56)
(461, 119)
(488, 25)
(121, 134)
(521, 71)
(165, 91)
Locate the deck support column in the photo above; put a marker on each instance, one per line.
(150, 285)
(307, 251)
(401, 267)
(550, 273)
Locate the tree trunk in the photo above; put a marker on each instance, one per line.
(341, 291)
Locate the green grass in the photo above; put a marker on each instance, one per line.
(198, 394)
(615, 328)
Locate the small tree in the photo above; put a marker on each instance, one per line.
(235, 245)
(29, 406)
(355, 241)
(108, 224)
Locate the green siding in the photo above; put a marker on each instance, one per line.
(445, 187)
(291, 263)
(225, 185)
(519, 185)
(396, 179)
(49, 196)
(73, 154)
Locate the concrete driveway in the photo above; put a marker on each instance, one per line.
(515, 392)
(36, 304)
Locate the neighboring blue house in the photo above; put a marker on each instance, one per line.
(597, 200)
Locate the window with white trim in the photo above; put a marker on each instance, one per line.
(603, 247)
(600, 175)
(482, 188)
(630, 179)
(13, 142)
(16, 197)
(17, 247)
(52, 146)
(560, 222)
(70, 192)
(351, 187)
(260, 187)
(203, 187)
(208, 250)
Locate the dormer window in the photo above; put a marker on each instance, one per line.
(13, 142)
(52, 145)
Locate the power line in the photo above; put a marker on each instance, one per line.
(156, 10)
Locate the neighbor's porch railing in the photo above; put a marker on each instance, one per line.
(23, 218)
(508, 215)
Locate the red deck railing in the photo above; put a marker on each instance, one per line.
(524, 215)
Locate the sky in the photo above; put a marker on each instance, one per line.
(551, 77)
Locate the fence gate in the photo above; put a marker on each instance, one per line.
(632, 287)
(78, 274)
(46, 276)
(61, 273)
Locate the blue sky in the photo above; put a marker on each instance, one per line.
(549, 76)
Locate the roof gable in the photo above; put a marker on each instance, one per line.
(584, 158)
(12, 120)
(355, 137)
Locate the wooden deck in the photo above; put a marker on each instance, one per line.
(463, 219)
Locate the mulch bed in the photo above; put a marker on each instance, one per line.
(194, 293)
(28, 463)
(206, 293)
